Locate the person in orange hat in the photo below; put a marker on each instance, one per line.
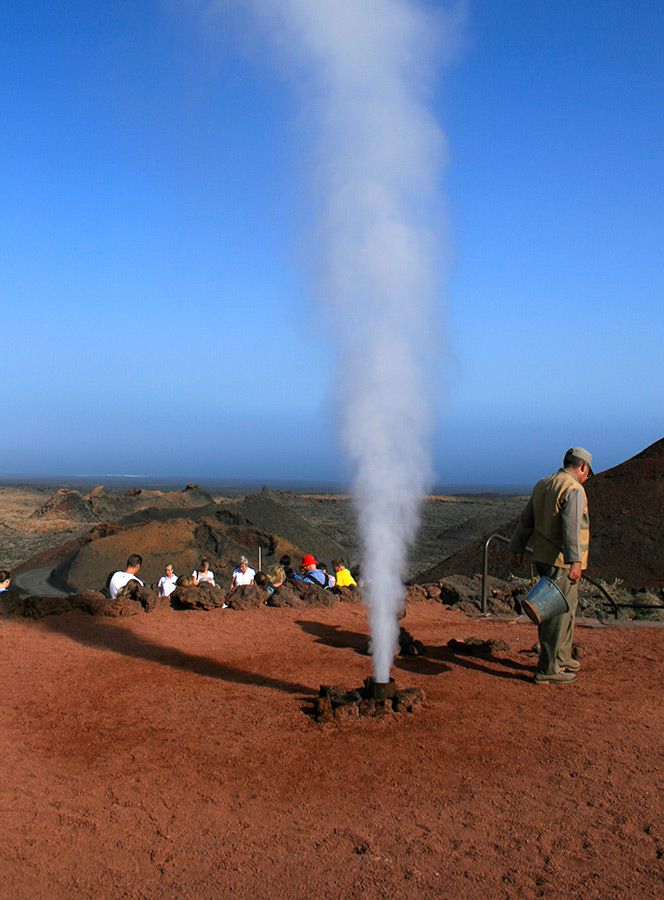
(311, 572)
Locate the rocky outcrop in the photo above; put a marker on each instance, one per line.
(247, 596)
(202, 596)
(286, 596)
(100, 505)
(304, 595)
(464, 593)
(68, 505)
(92, 602)
(117, 505)
(139, 593)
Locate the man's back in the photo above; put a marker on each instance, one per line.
(317, 576)
(560, 518)
(118, 581)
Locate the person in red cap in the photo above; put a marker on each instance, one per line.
(311, 572)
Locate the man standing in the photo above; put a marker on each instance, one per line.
(556, 517)
(118, 581)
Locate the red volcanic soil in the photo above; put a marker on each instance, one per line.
(171, 755)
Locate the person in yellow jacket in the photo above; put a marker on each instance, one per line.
(555, 521)
(342, 575)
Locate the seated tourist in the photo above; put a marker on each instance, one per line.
(277, 577)
(285, 563)
(167, 582)
(331, 579)
(118, 581)
(5, 580)
(204, 573)
(261, 580)
(311, 572)
(343, 576)
(243, 574)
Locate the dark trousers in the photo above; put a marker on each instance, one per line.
(556, 635)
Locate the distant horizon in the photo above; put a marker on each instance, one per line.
(238, 485)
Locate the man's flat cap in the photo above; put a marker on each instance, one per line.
(582, 454)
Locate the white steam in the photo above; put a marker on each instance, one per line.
(364, 68)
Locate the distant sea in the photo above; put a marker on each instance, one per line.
(230, 486)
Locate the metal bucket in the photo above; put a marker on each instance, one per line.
(544, 601)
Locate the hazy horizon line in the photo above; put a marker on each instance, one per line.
(296, 485)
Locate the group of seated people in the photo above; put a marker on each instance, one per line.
(316, 572)
(310, 570)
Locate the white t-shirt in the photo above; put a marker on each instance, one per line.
(118, 581)
(203, 576)
(167, 585)
(240, 577)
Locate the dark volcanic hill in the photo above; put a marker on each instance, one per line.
(266, 513)
(115, 505)
(101, 505)
(68, 505)
(627, 528)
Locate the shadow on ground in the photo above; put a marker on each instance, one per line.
(109, 635)
(333, 636)
(521, 672)
(435, 660)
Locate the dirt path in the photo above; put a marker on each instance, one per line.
(169, 755)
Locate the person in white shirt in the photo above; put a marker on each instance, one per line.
(204, 573)
(5, 580)
(243, 574)
(167, 582)
(118, 581)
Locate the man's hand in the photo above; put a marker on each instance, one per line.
(516, 559)
(575, 572)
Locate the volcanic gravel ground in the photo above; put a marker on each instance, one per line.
(171, 755)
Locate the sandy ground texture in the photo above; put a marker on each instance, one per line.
(171, 755)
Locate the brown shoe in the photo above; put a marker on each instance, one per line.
(572, 665)
(554, 677)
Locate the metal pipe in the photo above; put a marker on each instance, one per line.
(604, 591)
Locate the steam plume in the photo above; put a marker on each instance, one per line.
(368, 66)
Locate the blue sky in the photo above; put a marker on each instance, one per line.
(158, 315)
